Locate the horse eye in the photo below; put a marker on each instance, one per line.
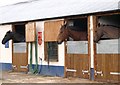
(61, 32)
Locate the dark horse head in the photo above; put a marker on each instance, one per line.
(16, 37)
(7, 37)
(106, 32)
(63, 34)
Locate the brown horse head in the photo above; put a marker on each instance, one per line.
(63, 34)
(98, 34)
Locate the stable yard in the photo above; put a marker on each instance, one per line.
(17, 77)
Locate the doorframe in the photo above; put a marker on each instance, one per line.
(95, 48)
(13, 28)
(65, 43)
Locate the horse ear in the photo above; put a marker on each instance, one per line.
(64, 22)
(9, 31)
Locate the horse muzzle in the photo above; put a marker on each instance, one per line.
(59, 42)
(3, 41)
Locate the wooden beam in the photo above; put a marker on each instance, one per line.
(65, 59)
(91, 45)
(107, 13)
(95, 22)
(89, 42)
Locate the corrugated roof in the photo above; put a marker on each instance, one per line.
(42, 9)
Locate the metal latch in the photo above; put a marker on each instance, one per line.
(26, 67)
(72, 70)
(98, 73)
(85, 72)
(114, 73)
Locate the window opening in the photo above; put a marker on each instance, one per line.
(51, 51)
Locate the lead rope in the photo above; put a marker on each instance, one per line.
(35, 70)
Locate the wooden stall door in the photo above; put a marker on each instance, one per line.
(20, 57)
(77, 64)
(108, 65)
(108, 68)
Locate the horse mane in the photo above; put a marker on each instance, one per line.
(76, 28)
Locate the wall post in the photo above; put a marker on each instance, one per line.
(91, 46)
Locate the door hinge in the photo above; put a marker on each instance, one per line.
(72, 70)
(98, 73)
(115, 73)
(26, 67)
(86, 72)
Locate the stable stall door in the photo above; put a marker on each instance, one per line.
(20, 58)
(76, 61)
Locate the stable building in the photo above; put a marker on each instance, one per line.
(39, 21)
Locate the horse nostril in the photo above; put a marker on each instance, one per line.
(3, 42)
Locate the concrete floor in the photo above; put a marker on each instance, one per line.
(19, 77)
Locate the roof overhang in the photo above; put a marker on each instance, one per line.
(49, 9)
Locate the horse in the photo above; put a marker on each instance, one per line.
(67, 31)
(16, 37)
(106, 32)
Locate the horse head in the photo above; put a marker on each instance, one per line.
(63, 34)
(98, 34)
(7, 37)
(96, 37)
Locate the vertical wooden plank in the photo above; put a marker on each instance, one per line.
(65, 60)
(103, 67)
(85, 65)
(77, 65)
(68, 64)
(89, 43)
(94, 29)
(72, 64)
